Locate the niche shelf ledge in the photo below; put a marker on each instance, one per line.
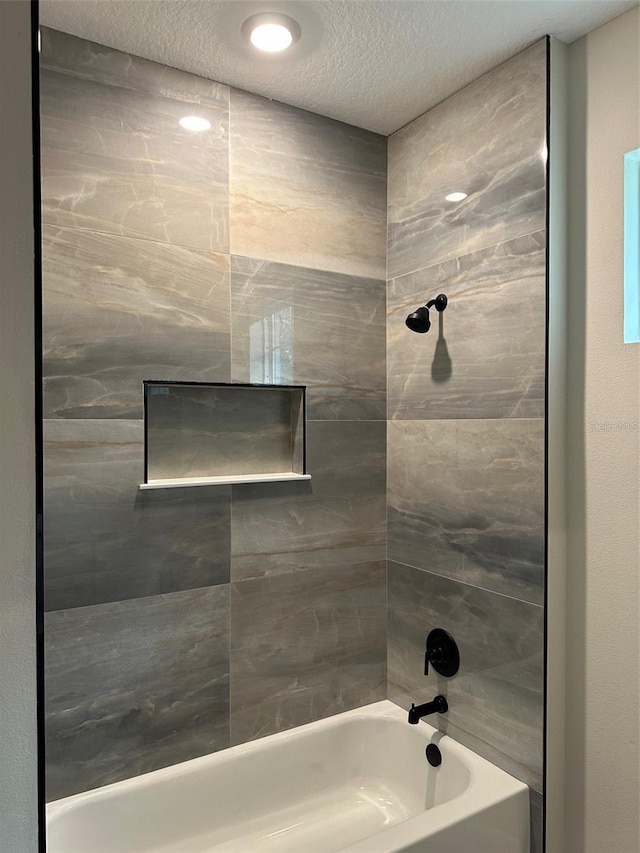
(187, 482)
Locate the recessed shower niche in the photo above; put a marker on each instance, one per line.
(199, 434)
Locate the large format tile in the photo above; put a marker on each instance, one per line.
(313, 327)
(114, 156)
(117, 311)
(305, 646)
(335, 520)
(484, 356)
(466, 500)
(305, 189)
(200, 431)
(134, 686)
(496, 699)
(105, 540)
(487, 140)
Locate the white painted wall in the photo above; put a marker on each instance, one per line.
(602, 759)
(18, 782)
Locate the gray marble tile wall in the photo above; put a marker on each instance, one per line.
(255, 252)
(466, 412)
(135, 685)
(120, 310)
(115, 158)
(338, 519)
(499, 686)
(107, 541)
(336, 340)
(484, 355)
(465, 501)
(252, 252)
(487, 140)
(306, 645)
(311, 195)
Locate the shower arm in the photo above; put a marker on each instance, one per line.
(439, 303)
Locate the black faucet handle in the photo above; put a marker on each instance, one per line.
(442, 653)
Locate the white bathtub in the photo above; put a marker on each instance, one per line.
(358, 782)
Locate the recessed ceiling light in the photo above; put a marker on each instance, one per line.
(195, 123)
(456, 196)
(271, 32)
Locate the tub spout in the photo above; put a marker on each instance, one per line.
(438, 706)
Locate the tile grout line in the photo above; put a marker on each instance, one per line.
(501, 419)
(449, 258)
(466, 583)
(369, 278)
(143, 238)
(226, 254)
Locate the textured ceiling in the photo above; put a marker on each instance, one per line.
(373, 63)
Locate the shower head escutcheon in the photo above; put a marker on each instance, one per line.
(419, 320)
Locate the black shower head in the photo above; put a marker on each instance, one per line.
(419, 320)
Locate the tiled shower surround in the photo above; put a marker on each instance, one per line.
(183, 621)
(465, 437)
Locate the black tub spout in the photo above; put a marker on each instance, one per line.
(438, 706)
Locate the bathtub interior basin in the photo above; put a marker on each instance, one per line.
(356, 782)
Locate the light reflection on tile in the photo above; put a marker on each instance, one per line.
(134, 686)
(316, 328)
(486, 140)
(114, 157)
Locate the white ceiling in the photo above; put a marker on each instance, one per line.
(373, 63)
